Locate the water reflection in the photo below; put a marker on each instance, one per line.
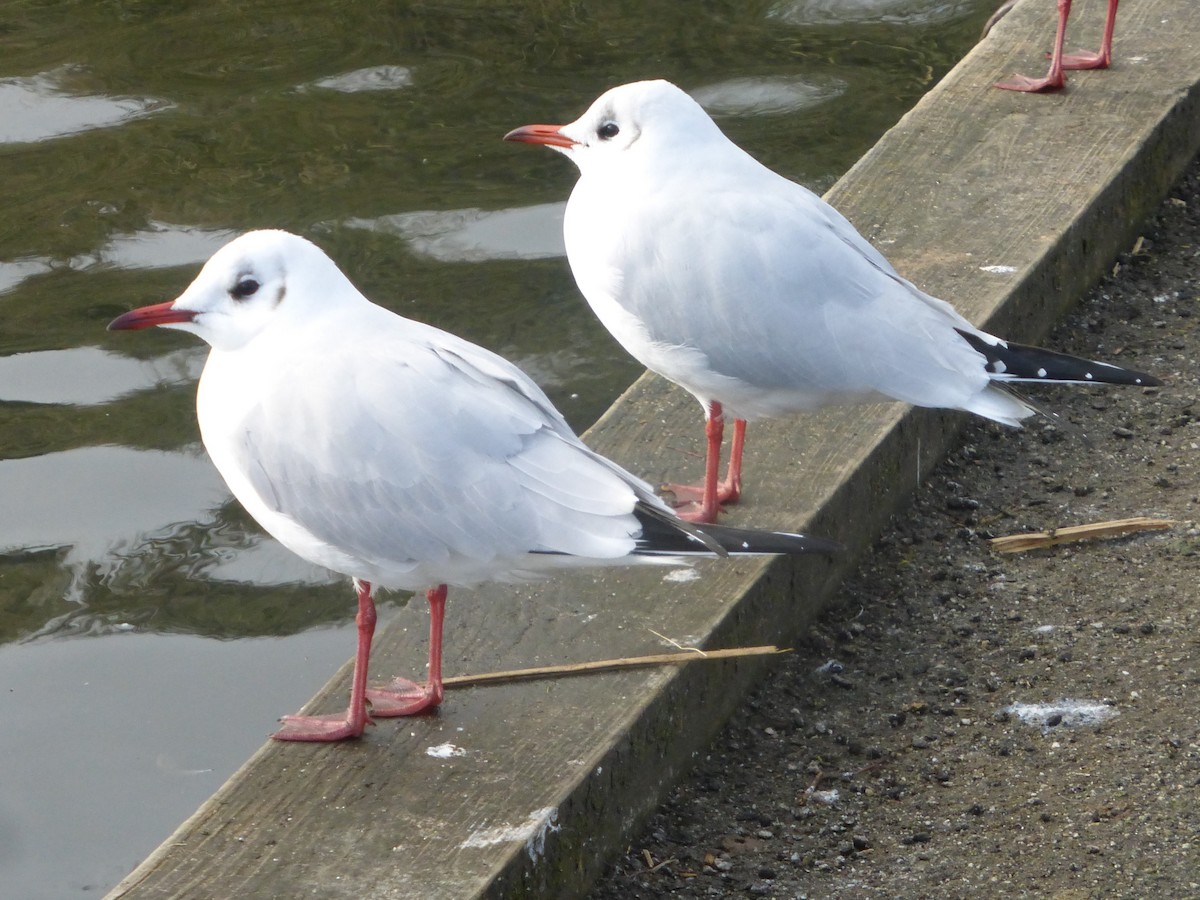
(158, 246)
(86, 376)
(893, 12)
(108, 744)
(375, 78)
(475, 235)
(767, 96)
(119, 500)
(13, 273)
(133, 515)
(41, 107)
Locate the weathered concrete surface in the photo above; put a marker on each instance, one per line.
(555, 772)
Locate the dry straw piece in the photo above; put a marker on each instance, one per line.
(607, 665)
(1017, 543)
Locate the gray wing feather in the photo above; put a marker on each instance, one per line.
(784, 273)
(421, 448)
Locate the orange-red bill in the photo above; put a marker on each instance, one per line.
(146, 316)
(540, 134)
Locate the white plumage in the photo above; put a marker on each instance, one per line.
(401, 455)
(749, 290)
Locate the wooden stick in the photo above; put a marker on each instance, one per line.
(606, 665)
(1016, 543)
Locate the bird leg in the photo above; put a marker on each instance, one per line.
(352, 724)
(407, 698)
(1054, 80)
(731, 488)
(702, 503)
(1086, 59)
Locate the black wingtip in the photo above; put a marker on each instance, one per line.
(666, 534)
(744, 540)
(1008, 361)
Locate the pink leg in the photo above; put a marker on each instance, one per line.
(730, 490)
(352, 724)
(1054, 80)
(1086, 59)
(702, 503)
(406, 698)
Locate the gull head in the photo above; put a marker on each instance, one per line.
(261, 279)
(651, 121)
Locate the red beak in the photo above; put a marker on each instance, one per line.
(540, 134)
(144, 317)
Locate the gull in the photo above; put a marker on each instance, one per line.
(754, 294)
(1055, 80)
(400, 455)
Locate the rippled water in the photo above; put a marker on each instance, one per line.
(135, 139)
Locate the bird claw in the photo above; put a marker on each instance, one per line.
(685, 494)
(404, 698)
(1085, 59)
(321, 728)
(694, 512)
(688, 501)
(1029, 85)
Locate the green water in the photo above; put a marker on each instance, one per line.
(217, 122)
(136, 137)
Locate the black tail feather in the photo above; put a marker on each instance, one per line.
(664, 534)
(1007, 361)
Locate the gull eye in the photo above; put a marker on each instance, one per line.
(608, 130)
(244, 288)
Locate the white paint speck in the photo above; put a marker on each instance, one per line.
(1087, 375)
(532, 831)
(682, 575)
(829, 667)
(998, 270)
(445, 751)
(1073, 712)
(825, 798)
(1041, 373)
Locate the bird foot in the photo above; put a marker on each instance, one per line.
(685, 494)
(688, 501)
(693, 511)
(404, 698)
(321, 728)
(1029, 85)
(1085, 59)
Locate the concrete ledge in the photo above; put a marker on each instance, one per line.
(555, 773)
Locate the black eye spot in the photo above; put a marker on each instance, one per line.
(244, 288)
(608, 131)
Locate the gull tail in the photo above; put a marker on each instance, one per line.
(665, 534)
(1007, 361)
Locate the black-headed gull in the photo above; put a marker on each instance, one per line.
(400, 455)
(1054, 79)
(753, 293)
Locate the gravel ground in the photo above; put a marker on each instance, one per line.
(965, 723)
